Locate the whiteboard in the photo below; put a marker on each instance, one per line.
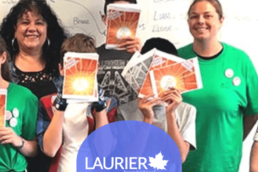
(163, 18)
(159, 18)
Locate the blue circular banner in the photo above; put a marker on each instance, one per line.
(129, 146)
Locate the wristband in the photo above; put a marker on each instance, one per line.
(60, 103)
(99, 106)
(19, 147)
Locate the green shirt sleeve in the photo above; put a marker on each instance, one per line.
(251, 88)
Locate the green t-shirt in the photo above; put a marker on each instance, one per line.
(26, 104)
(230, 90)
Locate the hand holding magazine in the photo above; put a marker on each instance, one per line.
(122, 22)
(155, 72)
(160, 59)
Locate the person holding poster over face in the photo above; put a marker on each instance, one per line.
(113, 61)
(229, 95)
(63, 126)
(17, 136)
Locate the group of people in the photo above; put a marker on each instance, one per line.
(212, 121)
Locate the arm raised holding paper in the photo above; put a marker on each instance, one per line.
(68, 122)
(121, 18)
(176, 123)
(131, 44)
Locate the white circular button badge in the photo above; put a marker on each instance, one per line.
(229, 73)
(8, 115)
(236, 81)
(15, 112)
(13, 122)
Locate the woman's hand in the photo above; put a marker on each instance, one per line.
(131, 44)
(8, 136)
(146, 104)
(173, 98)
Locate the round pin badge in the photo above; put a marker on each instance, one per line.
(229, 73)
(236, 81)
(15, 112)
(13, 122)
(8, 115)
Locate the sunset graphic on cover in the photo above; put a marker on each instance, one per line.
(80, 76)
(2, 110)
(158, 62)
(120, 24)
(184, 76)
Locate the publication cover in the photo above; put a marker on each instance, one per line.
(122, 21)
(136, 69)
(184, 76)
(160, 60)
(80, 72)
(3, 97)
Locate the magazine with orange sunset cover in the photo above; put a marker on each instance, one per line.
(184, 76)
(160, 59)
(80, 70)
(2, 107)
(92, 99)
(122, 21)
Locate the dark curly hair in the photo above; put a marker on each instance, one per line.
(55, 32)
(4, 67)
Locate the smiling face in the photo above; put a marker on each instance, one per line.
(204, 22)
(31, 32)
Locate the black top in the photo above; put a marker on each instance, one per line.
(112, 63)
(40, 83)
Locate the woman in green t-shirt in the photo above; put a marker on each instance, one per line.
(228, 97)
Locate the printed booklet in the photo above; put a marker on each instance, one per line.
(122, 21)
(80, 76)
(160, 59)
(3, 97)
(184, 76)
(157, 71)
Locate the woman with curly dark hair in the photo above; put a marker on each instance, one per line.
(34, 36)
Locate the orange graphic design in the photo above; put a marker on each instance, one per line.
(158, 62)
(121, 24)
(80, 77)
(2, 110)
(179, 75)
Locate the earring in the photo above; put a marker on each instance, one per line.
(13, 40)
(48, 42)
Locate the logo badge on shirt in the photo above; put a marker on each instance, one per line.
(229, 73)
(15, 112)
(8, 115)
(236, 81)
(13, 122)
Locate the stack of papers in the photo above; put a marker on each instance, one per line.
(122, 21)
(80, 77)
(155, 72)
